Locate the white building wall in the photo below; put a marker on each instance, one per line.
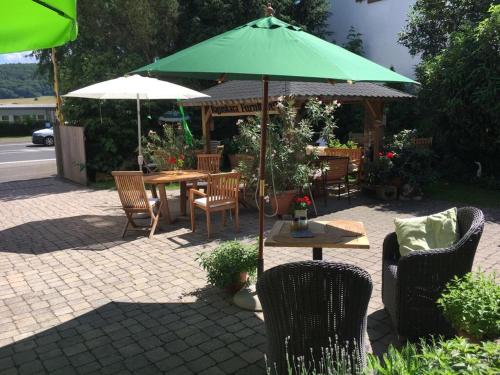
(379, 22)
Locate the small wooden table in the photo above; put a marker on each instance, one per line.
(159, 180)
(340, 234)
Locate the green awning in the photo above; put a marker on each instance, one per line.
(26, 25)
(273, 48)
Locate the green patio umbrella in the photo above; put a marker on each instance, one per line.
(26, 25)
(269, 49)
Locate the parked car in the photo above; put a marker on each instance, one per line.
(43, 137)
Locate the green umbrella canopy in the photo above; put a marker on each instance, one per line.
(273, 48)
(36, 24)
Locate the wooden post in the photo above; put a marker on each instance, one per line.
(374, 127)
(206, 125)
(262, 171)
(59, 120)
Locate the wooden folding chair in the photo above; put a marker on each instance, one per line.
(337, 174)
(130, 186)
(222, 195)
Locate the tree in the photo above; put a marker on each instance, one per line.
(354, 42)
(117, 36)
(460, 96)
(431, 23)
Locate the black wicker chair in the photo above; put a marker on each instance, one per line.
(313, 305)
(412, 284)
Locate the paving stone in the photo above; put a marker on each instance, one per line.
(77, 298)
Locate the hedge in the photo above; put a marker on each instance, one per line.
(19, 129)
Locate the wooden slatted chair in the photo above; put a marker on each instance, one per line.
(337, 174)
(130, 186)
(209, 163)
(222, 195)
(355, 156)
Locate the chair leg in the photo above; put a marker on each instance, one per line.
(191, 210)
(338, 191)
(348, 191)
(209, 224)
(237, 217)
(154, 224)
(125, 228)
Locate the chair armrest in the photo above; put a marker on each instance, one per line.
(193, 192)
(391, 248)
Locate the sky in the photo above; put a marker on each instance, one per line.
(18, 57)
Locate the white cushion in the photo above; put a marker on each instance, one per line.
(203, 202)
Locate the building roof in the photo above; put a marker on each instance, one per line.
(246, 91)
(27, 106)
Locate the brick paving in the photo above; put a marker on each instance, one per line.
(75, 298)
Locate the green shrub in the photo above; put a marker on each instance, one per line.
(227, 260)
(472, 305)
(456, 356)
(19, 129)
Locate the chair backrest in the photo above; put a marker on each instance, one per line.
(354, 154)
(130, 186)
(470, 223)
(209, 162)
(223, 187)
(338, 168)
(313, 305)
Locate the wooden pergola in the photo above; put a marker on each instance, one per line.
(244, 98)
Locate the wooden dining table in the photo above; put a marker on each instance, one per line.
(340, 234)
(158, 180)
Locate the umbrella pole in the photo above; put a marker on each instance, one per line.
(262, 171)
(140, 159)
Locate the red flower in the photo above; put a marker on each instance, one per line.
(172, 160)
(390, 155)
(182, 157)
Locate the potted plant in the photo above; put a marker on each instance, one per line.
(472, 305)
(230, 264)
(301, 205)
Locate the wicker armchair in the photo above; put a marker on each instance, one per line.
(412, 284)
(311, 305)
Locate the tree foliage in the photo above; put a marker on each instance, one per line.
(432, 22)
(459, 94)
(22, 81)
(117, 36)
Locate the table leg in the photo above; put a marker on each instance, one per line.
(183, 198)
(152, 187)
(163, 198)
(317, 253)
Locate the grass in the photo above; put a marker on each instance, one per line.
(26, 138)
(464, 193)
(110, 185)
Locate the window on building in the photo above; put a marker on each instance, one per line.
(4, 118)
(17, 118)
(40, 117)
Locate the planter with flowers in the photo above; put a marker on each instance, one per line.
(301, 205)
(168, 150)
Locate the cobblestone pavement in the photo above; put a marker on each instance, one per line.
(76, 298)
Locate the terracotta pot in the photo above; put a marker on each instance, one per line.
(240, 279)
(283, 201)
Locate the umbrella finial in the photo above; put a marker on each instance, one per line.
(269, 10)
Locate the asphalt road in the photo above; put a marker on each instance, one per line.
(25, 161)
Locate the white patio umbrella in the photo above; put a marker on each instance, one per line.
(138, 88)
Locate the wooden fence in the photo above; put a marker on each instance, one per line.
(72, 141)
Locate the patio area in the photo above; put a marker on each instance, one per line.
(76, 298)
